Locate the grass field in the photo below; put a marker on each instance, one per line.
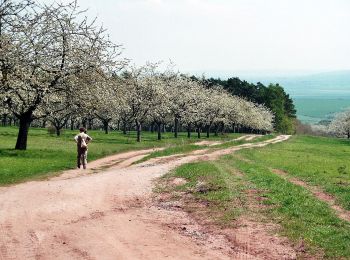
(225, 185)
(47, 154)
(317, 160)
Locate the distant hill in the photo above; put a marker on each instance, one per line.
(327, 84)
(317, 96)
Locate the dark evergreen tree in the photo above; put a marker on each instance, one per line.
(273, 96)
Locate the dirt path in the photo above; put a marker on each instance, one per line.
(318, 193)
(108, 215)
(118, 161)
(249, 137)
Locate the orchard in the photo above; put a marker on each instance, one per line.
(59, 69)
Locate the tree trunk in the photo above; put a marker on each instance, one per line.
(91, 123)
(58, 126)
(72, 124)
(222, 128)
(216, 130)
(152, 128)
(176, 127)
(138, 129)
(105, 126)
(124, 128)
(348, 134)
(189, 131)
(159, 131)
(4, 120)
(208, 131)
(24, 124)
(198, 132)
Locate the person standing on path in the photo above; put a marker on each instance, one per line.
(82, 140)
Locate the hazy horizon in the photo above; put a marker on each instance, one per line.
(244, 35)
(298, 44)
(224, 74)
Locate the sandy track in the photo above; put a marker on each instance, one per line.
(121, 160)
(107, 215)
(213, 143)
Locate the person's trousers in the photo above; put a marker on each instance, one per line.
(82, 157)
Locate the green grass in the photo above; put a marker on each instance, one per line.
(215, 184)
(48, 154)
(302, 217)
(316, 160)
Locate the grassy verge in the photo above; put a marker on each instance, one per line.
(317, 160)
(215, 185)
(302, 217)
(47, 154)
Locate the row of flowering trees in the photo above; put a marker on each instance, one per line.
(145, 95)
(57, 67)
(340, 125)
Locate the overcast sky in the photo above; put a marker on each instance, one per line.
(230, 35)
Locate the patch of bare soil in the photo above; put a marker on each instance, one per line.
(250, 236)
(103, 216)
(213, 143)
(247, 137)
(208, 143)
(243, 137)
(318, 193)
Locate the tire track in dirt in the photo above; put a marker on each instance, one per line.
(121, 160)
(213, 143)
(318, 193)
(241, 138)
(207, 154)
(108, 215)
